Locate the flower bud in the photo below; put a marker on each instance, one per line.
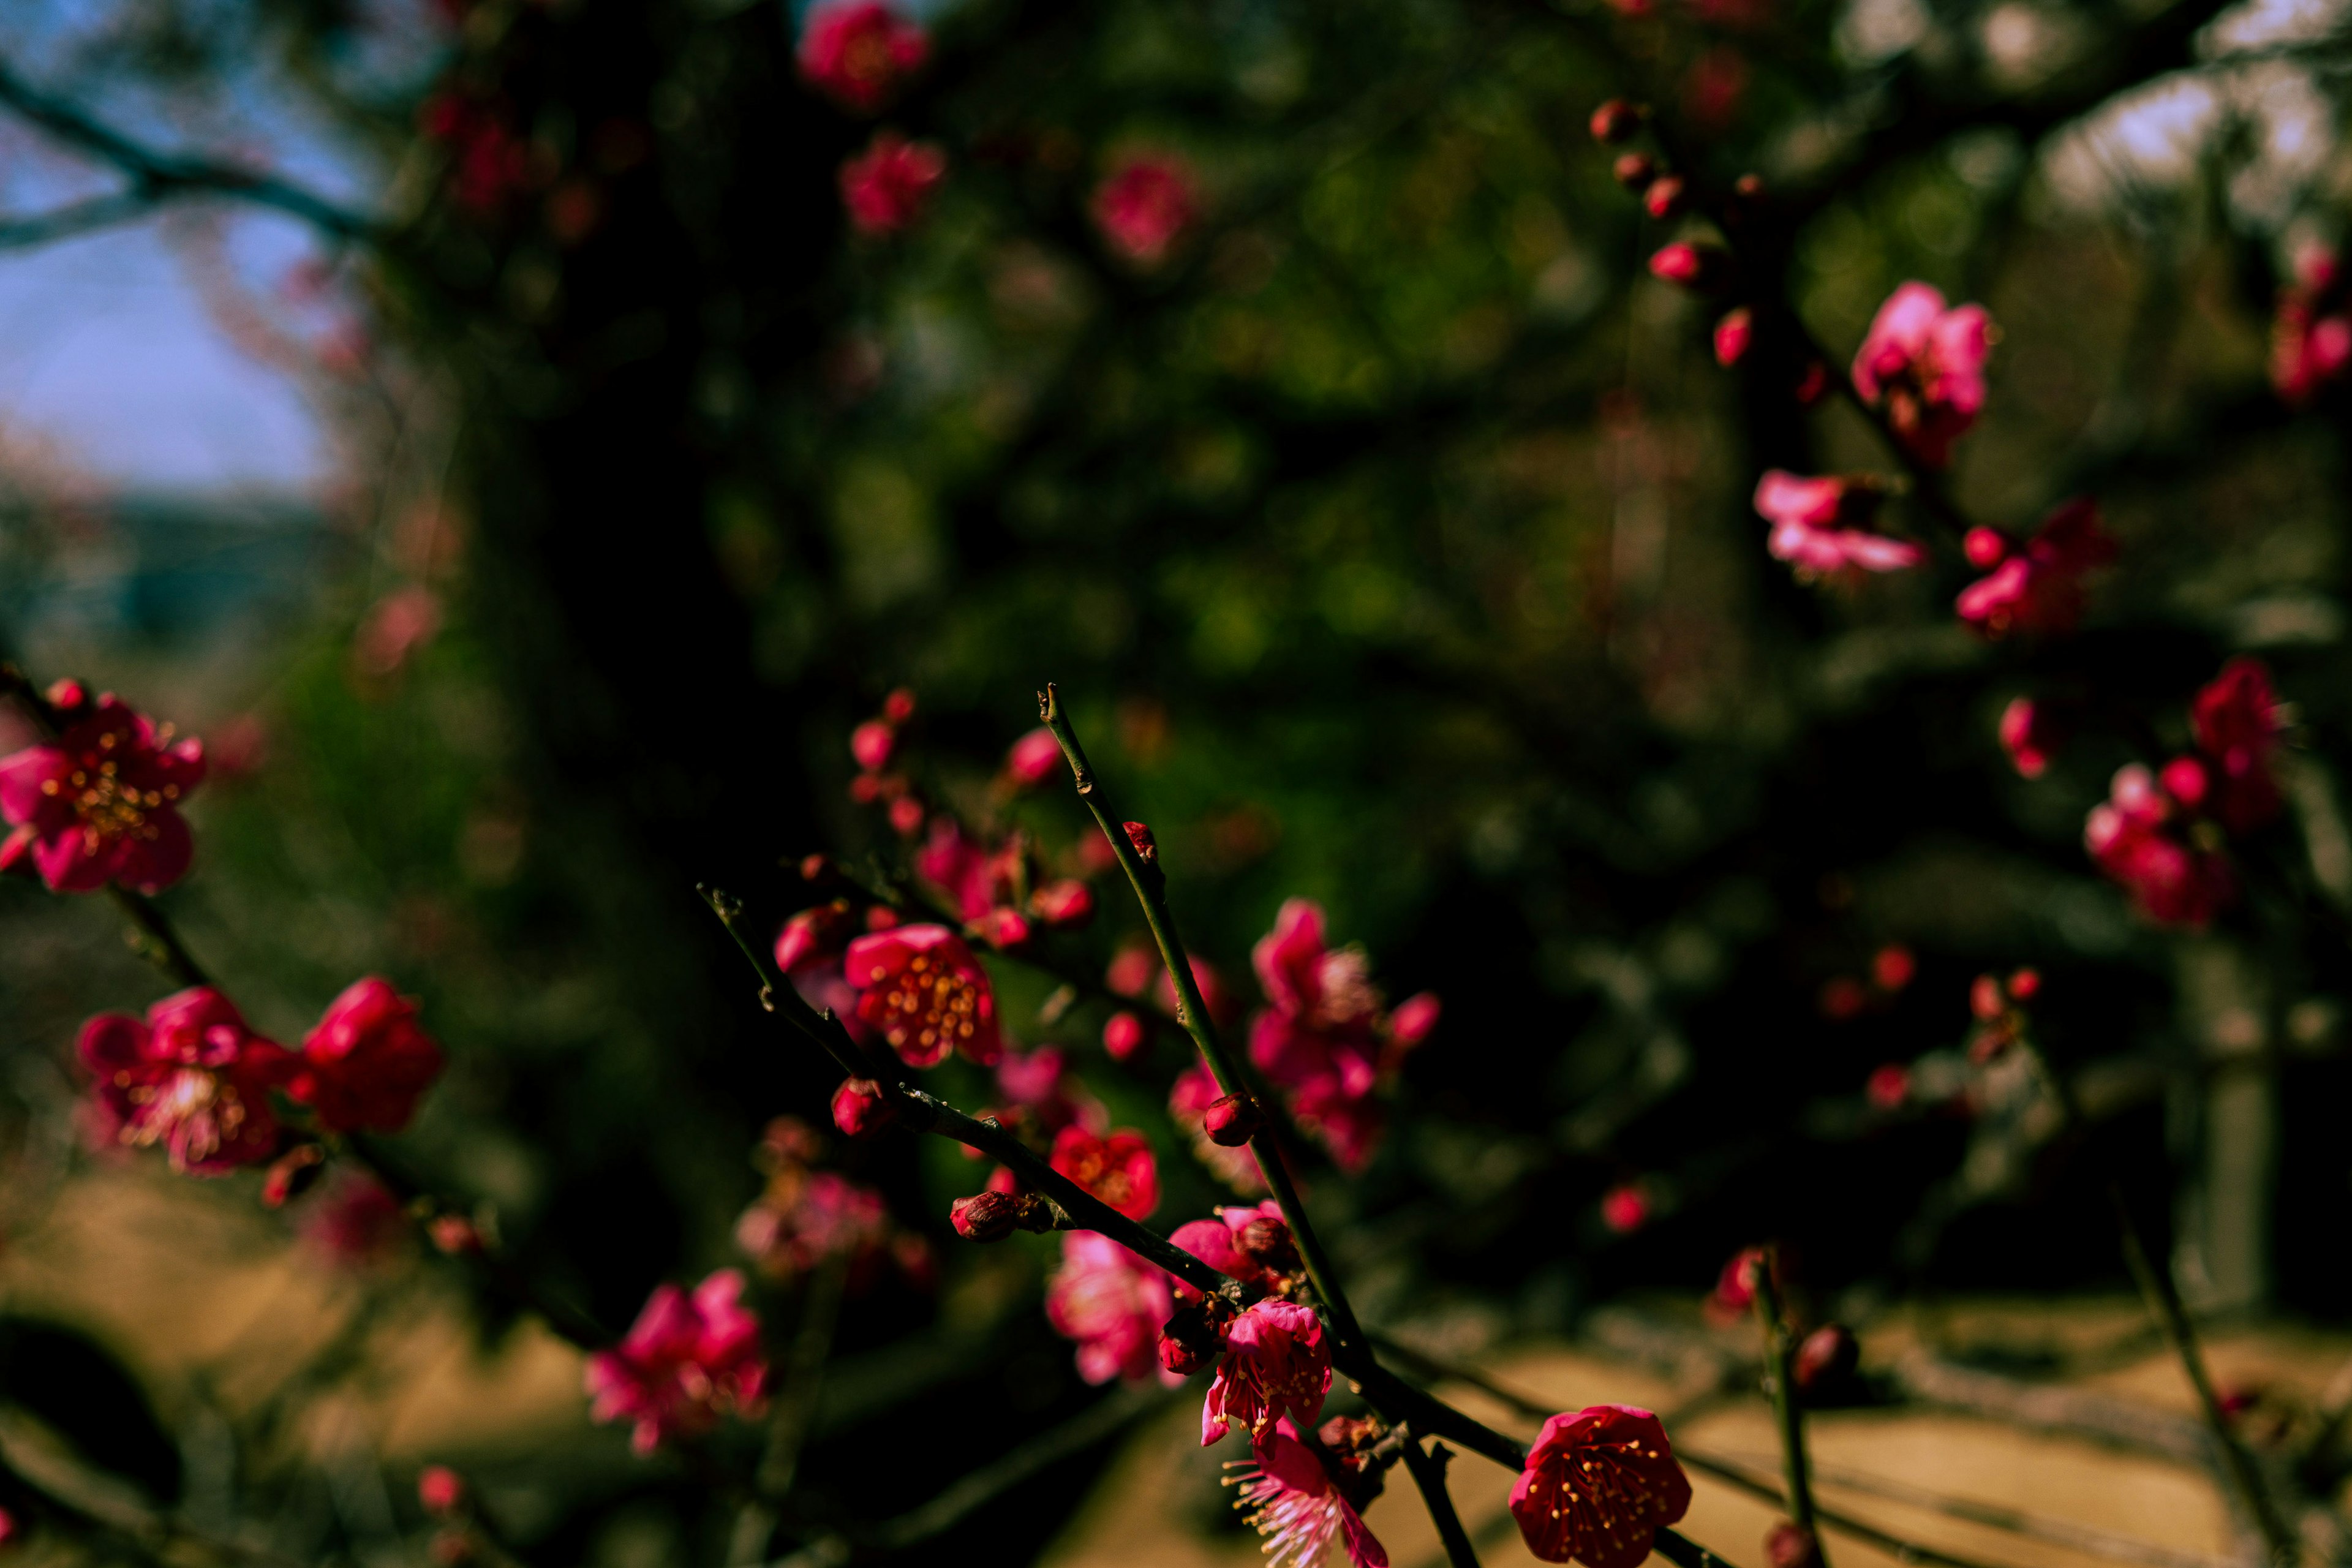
(454, 1234)
(983, 1217)
(1145, 849)
(2184, 779)
(1232, 1121)
(2025, 985)
(1124, 1035)
(1001, 927)
(861, 1109)
(872, 743)
(1811, 384)
(1732, 336)
(1615, 120)
(1032, 759)
(1787, 1546)
(1889, 1086)
(1985, 1000)
(1635, 170)
(1666, 196)
(907, 817)
(1826, 1358)
(1193, 1338)
(9, 1529)
(441, 1490)
(1063, 904)
(1267, 1241)
(899, 706)
(1892, 967)
(1349, 1435)
(1984, 546)
(1692, 267)
(1625, 1209)
(811, 932)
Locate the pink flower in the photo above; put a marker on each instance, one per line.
(1118, 1169)
(192, 1078)
(873, 742)
(1328, 1041)
(809, 951)
(1927, 364)
(1123, 1036)
(856, 52)
(2029, 736)
(1294, 1502)
(1889, 1086)
(1732, 336)
(2139, 837)
(440, 1490)
(1276, 1364)
(356, 1221)
(1597, 1487)
(920, 989)
(2236, 720)
(102, 802)
(1042, 1096)
(1034, 759)
(2311, 338)
(366, 1063)
(806, 1217)
(976, 878)
(1146, 205)
(1735, 1287)
(1824, 525)
(1112, 1303)
(1064, 904)
(1220, 1243)
(1687, 266)
(1625, 1209)
(2037, 587)
(687, 1361)
(888, 187)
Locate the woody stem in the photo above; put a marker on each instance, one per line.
(1429, 1473)
(1779, 1359)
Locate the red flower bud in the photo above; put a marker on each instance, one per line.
(1787, 1546)
(2185, 780)
(1032, 759)
(1145, 849)
(1749, 187)
(1124, 1035)
(441, 1490)
(1984, 546)
(1665, 196)
(1985, 999)
(906, 815)
(1068, 903)
(816, 868)
(1893, 966)
(68, 696)
(899, 706)
(1232, 1121)
(860, 1107)
(872, 743)
(1635, 170)
(1811, 384)
(1267, 1241)
(2025, 985)
(1889, 1087)
(983, 1217)
(1625, 1209)
(1826, 1358)
(1687, 266)
(454, 1234)
(1615, 120)
(1001, 927)
(1732, 336)
(1194, 1336)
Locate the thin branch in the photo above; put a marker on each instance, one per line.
(1429, 1473)
(74, 217)
(1787, 1413)
(157, 177)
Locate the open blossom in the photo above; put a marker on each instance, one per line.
(1597, 1487)
(1824, 525)
(920, 989)
(1146, 205)
(1276, 1364)
(1926, 364)
(1219, 1243)
(687, 1361)
(857, 51)
(192, 1077)
(808, 1217)
(2036, 586)
(2236, 720)
(1117, 1169)
(1329, 1040)
(366, 1063)
(2142, 837)
(887, 187)
(2311, 338)
(102, 802)
(1292, 1500)
(1112, 1303)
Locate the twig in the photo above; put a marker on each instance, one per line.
(1429, 1473)
(788, 1428)
(1764, 1490)
(1780, 1362)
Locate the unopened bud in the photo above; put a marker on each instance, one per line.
(811, 933)
(860, 1107)
(1194, 1336)
(1124, 1034)
(68, 696)
(872, 743)
(1145, 849)
(441, 1490)
(983, 1217)
(1066, 903)
(1811, 383)
(907, 817)
(1032, 759)
(1787, 1545)
(1666, 196)
(1615, 120)
(1001, 927)
(1984, 546)
(899, 706)
(1232, 1121)
(2025, 984)
(817, 869)
(1635, 170)
(1985, 999)
(1693, 266)
(1347, 1436)
(1732, 336)
(1826, 1358)
(1267, 1241)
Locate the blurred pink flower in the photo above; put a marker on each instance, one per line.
(192, 1078)
(1625, 1209)
(102, 802)
(2311, 337)
(1112, 1303)
(887, 187)
(856, 52)
(366, 1062)
(687, 1361)
(1824, 525)
(808, 1217)
(2036, 586)
(1035, 758)
(1146, 205)
(2236, 719)
(2141, 839)
(1276, 1364)
(1926, 364)
(1118, 1169)
(356, 1221)
(394, 628)
(2029, 736)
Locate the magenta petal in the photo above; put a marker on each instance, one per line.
(66, 864)
(22, 776)
(154, 864)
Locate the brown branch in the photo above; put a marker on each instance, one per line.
(1428, 1470)
(1788, 1410)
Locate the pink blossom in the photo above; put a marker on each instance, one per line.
(1112, 1303)
(1625, 1209)
(1597, 1487)
(440, 1490)
(1042, 1096)
(366, 1063)
(2311, 337)
(1293, 1502)
(1824, 525)
(1123, 1036)
(401, 623)
(2029, 736)
(2140, 837)
(1927, 364)
(1889, 1086)
(1328, 1041)
(807, 1217)
(1732, 336)
(887, 187)
(1687, 266)
(873, 742)
(1117, 1169)
(1034, 759)
(1064, 904)
(2038, 587)
(192, 1078)
(1218, 1243)
(1735, 1287)
(1146, 205)
(920, 988)
(2236, 720)
(978, 879)
(1276, 1364)
(356, 1221)
(860, 1108)
(102, 802)
(687, 1361)
(856, 52)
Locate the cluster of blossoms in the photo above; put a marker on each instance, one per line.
(2311, 337)
(2035, 585)
(100, 803)
(2000, 1016)
(2162, 835)
(806, 1219)
(688, 1359)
